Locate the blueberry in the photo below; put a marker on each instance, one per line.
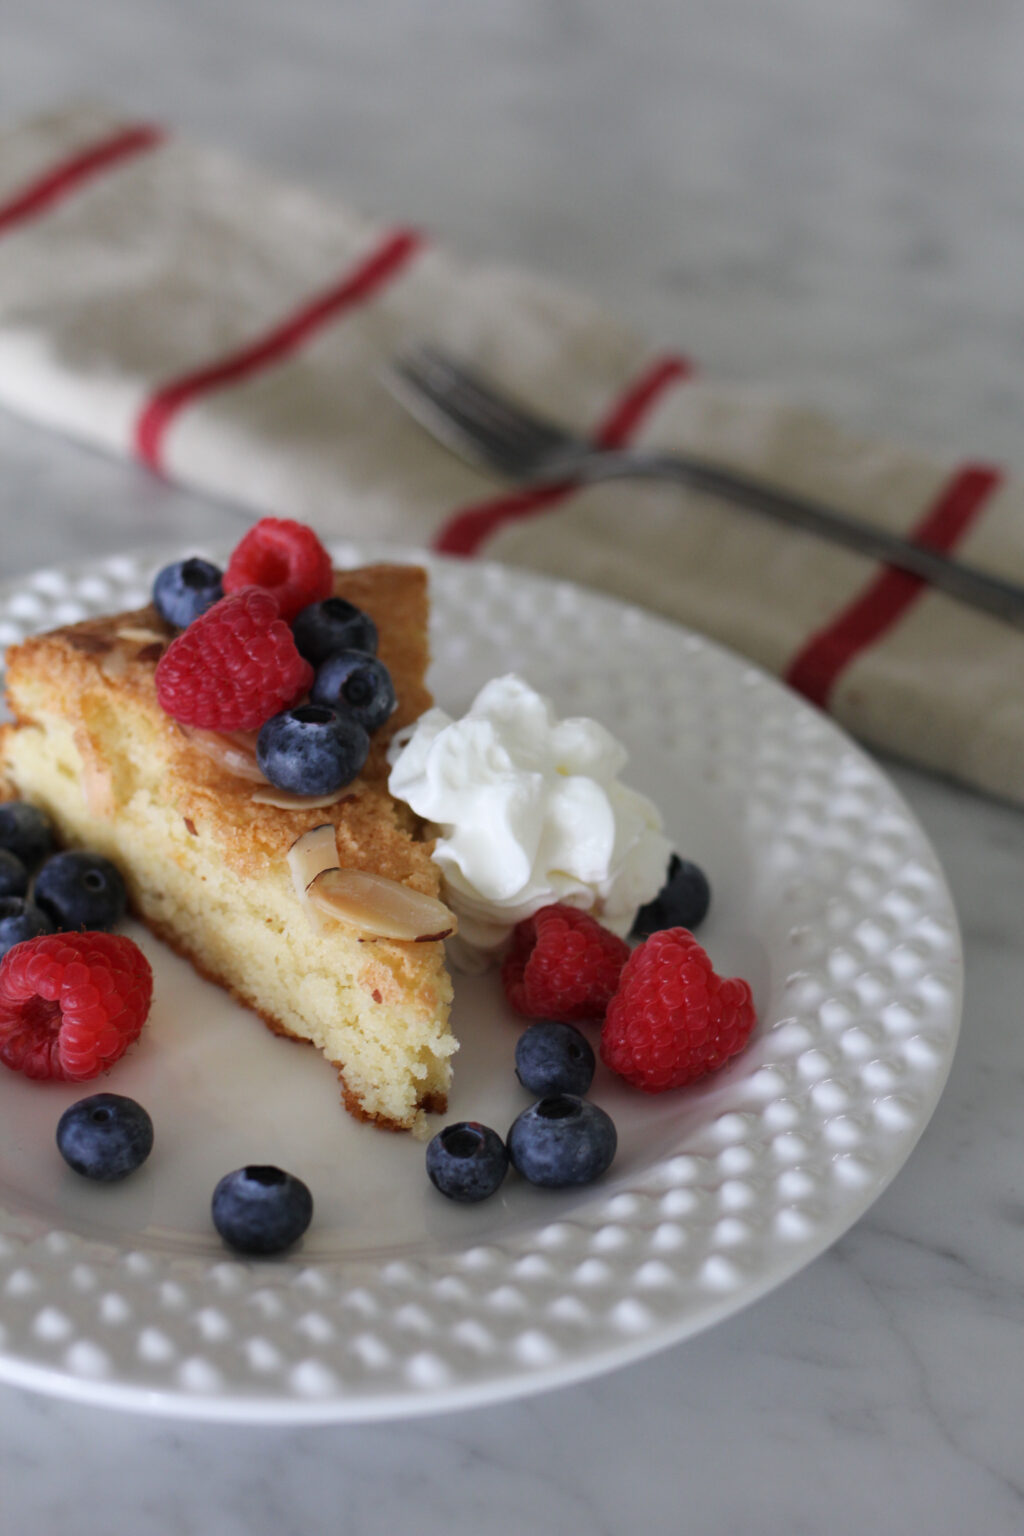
(25, 831)
(184, 590)
(311, 750)
(562, 1140)
(20, 920)
(80, 890)
(105, 1137)
(682, 902)
(261, 1209)
(357, 682)
(554, 1058)
(333, 625)
(466, 1161)
(13, 874)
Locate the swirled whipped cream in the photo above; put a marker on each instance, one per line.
(527, 810)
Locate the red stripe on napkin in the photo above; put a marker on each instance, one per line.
(358, 285)
(70, 174)
(817, 667)
(465, 531)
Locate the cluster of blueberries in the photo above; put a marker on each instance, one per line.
(560, 1140)
(73, 890)
(256, 1209)
(319, 746)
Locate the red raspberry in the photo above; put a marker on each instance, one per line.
(672, 1019)
(286, 559)
(233, 667)
(72, 1003)
(562, 965)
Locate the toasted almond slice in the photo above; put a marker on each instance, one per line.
(97, 782)
(114, 664)
(236, 753)
(140, 636)
(379, 908)
(284, 800)
(308, 857)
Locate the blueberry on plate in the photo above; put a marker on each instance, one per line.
(562, 1140)
(261, 1209)
(333, 625)
(20, 920)
(357, 682)
(466, 1161)
(312, 749)
(184, 590)
(80, 890)
(25, 831)
(105, 1137)
(682, 902)
(554, 1058)
(13, 874)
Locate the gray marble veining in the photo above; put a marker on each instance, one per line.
(826, 198)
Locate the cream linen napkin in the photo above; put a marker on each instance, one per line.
(164, 301)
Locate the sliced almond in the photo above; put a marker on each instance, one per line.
(309, 856)
(236, 753)
(97, 782)
(379, 908)
(114, 664)
(140, 636)
(284, 800)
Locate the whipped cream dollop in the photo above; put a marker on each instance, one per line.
(528, 809)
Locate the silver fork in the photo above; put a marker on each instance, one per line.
(485, 426)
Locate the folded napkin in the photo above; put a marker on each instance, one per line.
(166, 302)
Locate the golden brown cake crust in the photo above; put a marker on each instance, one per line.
(92, 663)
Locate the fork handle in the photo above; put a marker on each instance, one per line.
(1001, 599)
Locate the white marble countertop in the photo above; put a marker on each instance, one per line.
(829, 197)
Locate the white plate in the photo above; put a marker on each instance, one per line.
(827, 897)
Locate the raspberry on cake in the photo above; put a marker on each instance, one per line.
(284, 558)
(233, 667)
(203, 840)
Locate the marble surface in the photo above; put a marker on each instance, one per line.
(828, 197)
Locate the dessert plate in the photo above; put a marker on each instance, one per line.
(827, 897)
